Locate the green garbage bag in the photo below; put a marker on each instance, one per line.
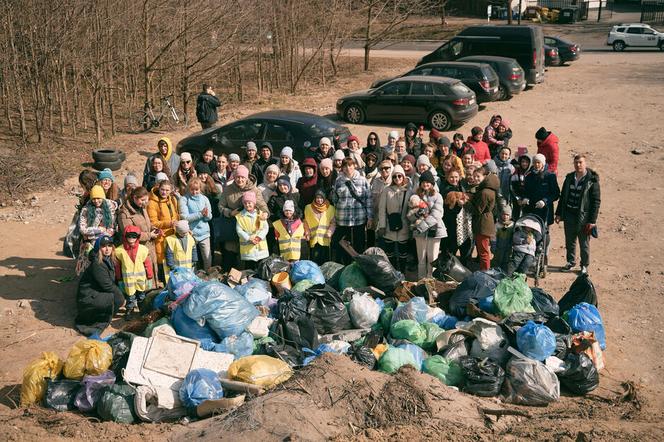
(302, 286)
(409, 330)
(261, 341)
(117, 404)
(513, 295)
(448, 371)
(394, 358)
(352, 276)
(332, 271)
(385, 318)
(431, 333)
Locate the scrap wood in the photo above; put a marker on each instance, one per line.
(242, 387)
(503, 412)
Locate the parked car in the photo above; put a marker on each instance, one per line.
(441, 102)
(523, 43)
(511, 78)
(551, 57)
(635, 35)
(479, 77)
(566, 50)
(280, 127)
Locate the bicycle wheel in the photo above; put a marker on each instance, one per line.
(139, 122)
(177, 120)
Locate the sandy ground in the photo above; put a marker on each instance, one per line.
(608, 106)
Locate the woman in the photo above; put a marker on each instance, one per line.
(135, 213)
(170, 159)
(208, 158)
(459, 146)
(457, 219)
(97, 218)
(288, 166)
(482, 205)
(370, 167)
(413, 142)
(354, 210)
(164, 212)
(430, 230)
(504, 169)
(219, 175)
(233, 163)
(392, 225)
(355, 152)
(195, 208)
(518, 185)
(284, 192)
(338, 162)
(408, 164)
(157, 165)
(373, 146)
(184, 173)
(422, 166)
(541, 190)
(107, 182)
(130, 183)
(377, 185)
(250, 156)
(306, 185)
(490, 135)
(98, 297)
(269, 185)
(326, 178)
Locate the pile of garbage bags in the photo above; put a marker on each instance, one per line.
(491, 335)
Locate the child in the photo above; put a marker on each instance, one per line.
(180, 250)
(133, 268)
(252, 231)
(504, 133)
(418, 209)
(319, 227)
(289, 232)
(195, 207)
(503, 243)
(523, 251)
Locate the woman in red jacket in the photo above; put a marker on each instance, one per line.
(547, 145)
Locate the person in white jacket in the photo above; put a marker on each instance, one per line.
(289, 167)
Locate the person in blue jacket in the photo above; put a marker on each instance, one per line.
(195, 208)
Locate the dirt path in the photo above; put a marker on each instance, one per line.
(605, 105)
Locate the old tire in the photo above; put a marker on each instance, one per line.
(113, 165)
(106, 155)
(619, 46)
(354, 114)
(440, 120)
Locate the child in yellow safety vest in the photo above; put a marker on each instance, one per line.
(319, 227)
(180, 249)
(289, 232)
(133, 268)
(252, 231)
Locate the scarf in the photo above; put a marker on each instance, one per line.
(320, 208)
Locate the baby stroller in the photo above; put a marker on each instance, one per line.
(541, 235)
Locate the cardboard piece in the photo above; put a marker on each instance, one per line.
(218, 406)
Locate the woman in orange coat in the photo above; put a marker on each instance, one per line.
(164, 212)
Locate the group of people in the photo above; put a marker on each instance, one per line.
(416, 197)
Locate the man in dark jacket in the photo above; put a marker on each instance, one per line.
(265, 158)
(578, 209)
(206, 107)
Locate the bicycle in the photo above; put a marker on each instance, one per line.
(146, 119)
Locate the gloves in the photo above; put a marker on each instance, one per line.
(539, 204)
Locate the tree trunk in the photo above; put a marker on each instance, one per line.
(16, 77)
(508, 3)
(367, 37)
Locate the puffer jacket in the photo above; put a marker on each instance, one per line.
(434, 219)
(482, 205)
(162, 213)
(377, 187)
(541, 186)
(590, 198)
(190, 209)
(550, 149)
(391, 200)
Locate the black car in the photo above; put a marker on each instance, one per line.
(551, 57)
(511, 76)
(280, 127)
(441, 102)
(479, 77)
(566, 50)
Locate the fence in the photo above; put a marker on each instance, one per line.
(652, 12)
(561, 4)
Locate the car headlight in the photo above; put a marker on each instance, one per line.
(340, 102)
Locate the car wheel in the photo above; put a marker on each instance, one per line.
(106, 155)
(440, 120)
(618, 46)
(113, 165)
(354, 114)
(502, 93)
(661, 45)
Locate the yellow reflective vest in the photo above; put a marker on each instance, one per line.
(134, 277)
(181, 256)
(251, 225)
(318, 226)
(289, 246)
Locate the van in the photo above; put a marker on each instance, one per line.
(523, 43)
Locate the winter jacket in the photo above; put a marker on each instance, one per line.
(206, 108)
(503, 247)
(162, 213)
(276, 203)
(190, 210)
(482, 153)
(180, 180)
(505, 171)
(482, 204)
(307, 186)
(415, 180)
(522, 242)
(294, 175)
(434, 220)
(541, 186)
(133, 266)
(590, 198)
(450, 215)
(549, 148)
(130, 215)
(172, 160)
(391, 200)
(377, 187)
(518, 184)
(231, 198)
(95, 297)
(327, 185)
(91, 231)
(258, 169)
(267, 190)
(350, 211)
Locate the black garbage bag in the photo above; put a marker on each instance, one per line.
(286, 353)
(483, 376)
(563, 345)
(363, 356)
(379, 272)
(327, 309)
(117, 404)
(479, 285)
(295, 327)
(121, 345)
(580, 375)
(581, 290)
(448, 267)
(515, 321)
(542, 302)
(270, 266)
(61, 394)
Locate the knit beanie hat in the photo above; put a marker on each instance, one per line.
(339, 155)
(325, 140)
(353, 138)
(326, 163)
(272, 168)
(203, 168)
(398, 170)
(541, 133)
(161, 176)
(506, 209)
(321, 193)
(427, 177)
(393, 134)
(130, 179)
(491, 167)
(251, 146)
(289, 205)
(414, 200)
(285, 180)
(105, 174)
(249, 197)
(287, 152)
(541, 158)
(234, 157)
(410, 158)
(102, 241)
(97, 192)
(242, 171)
(423, 159)
(444, 141)
(182, 227)
(185, 156)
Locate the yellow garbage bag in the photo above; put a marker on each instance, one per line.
(379, 350)
(88, 356)
(260, 370)
(33, 388)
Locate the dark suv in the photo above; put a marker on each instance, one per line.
(511, 76)
(440, 101)
(481, 78)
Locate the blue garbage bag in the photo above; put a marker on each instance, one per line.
(419, 354)
(226, 311)
(536, 341)
(323, 348)
(187, 327)
(304, 269)
(415, 309)
(586, 317)
(478, 286)
(444, 321)
(486, 304)
(159, 300)
(238, 346)
(200, 385)
(255, 291)
(181, 281)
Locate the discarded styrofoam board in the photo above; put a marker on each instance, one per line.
(344, 335)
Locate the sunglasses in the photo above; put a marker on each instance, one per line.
(372, 138)
(133, 235)
(185, 162)
(398, 176)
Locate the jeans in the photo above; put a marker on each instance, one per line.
(205, 253)
(427, 253)
(355, 235)
(574, 232)
(483, 251)
(520, 263)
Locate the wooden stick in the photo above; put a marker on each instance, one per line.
(242, 387)
(20, 340)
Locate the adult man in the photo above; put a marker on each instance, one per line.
(206, 107)
(262, 163)
(578, 209)
(547, 145)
